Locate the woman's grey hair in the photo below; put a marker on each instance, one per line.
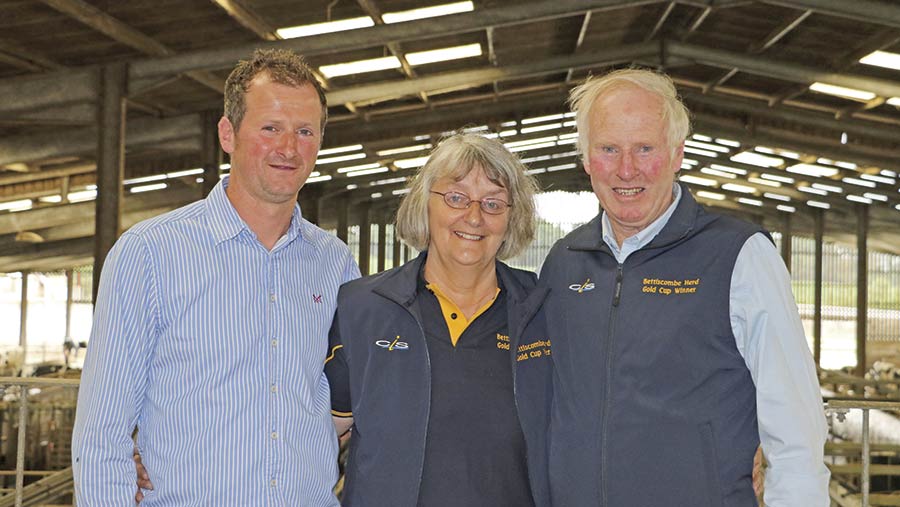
(455, 157)
(675, 114)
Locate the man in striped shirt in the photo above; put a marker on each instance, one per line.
(210, 327)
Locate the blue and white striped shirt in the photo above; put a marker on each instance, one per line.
(213, 346)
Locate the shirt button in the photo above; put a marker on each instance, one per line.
(274, 436)
(274, 389)
(453, 316)
(272, 297)
(274, 342)
(273, 482)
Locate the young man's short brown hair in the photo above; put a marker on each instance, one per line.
(282, 66)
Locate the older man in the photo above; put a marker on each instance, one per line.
(210, 328)
(677, 345)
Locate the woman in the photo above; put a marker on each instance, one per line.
(439, 365)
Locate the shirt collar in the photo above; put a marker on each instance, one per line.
(225, 223)
(643, 237)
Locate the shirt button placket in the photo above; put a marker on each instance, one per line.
(272, 373)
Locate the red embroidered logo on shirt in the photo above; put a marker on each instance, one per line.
(317, 298)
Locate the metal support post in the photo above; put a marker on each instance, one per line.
(23, 314)
(819, 216)
(382, 248)
(20, 448)
(212, 154)
(70, 296)
(110, 163)
(365, 239)
(862, 287)
(865, 457)
(343, 218)
(787, 237)
(395, 253)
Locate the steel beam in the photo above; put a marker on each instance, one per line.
(247, 18)
(98, 20)
(65, 215)
(754, 64)
(68, 241)
(780, 32)
(28, 148)
(27, 58)
(889, 133)
(86, 229)
(869, 11)
(70, 86)
(381, 35)
(585, 23)
(759, 134)
(59, 88)
(441, 119)
(372, 10)
(71, 115)
(71, 245)
(27, 255)
(473, 78)
(48, 174)
(54, 89)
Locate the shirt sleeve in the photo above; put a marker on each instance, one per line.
(770, 337)
(351, 269)
(114, 378)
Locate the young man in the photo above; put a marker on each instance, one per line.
(211, 323)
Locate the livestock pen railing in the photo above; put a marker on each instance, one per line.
(53, 483)
(840, 409)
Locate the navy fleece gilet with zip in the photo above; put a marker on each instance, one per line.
(390, 387)
(653, 404)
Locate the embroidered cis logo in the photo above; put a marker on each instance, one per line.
(393, 345)
(582, 287)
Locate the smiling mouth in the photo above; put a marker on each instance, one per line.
(282, 167)
(628, 192)
(470, 237)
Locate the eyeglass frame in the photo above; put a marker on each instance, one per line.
(469, 201)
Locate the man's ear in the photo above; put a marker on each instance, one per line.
(677, 157)
(226, 135)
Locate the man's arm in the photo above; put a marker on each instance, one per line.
(770, 337)
(114, 378)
